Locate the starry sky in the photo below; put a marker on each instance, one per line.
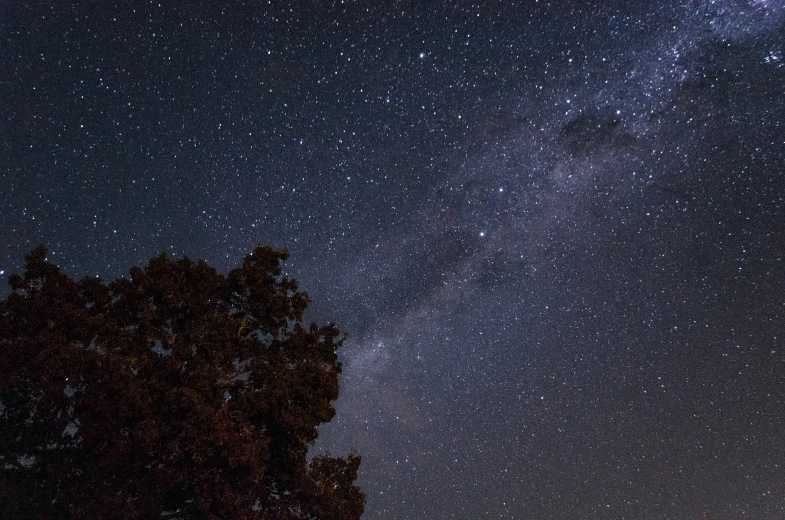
(555, 231)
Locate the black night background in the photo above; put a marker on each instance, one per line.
(555, 231)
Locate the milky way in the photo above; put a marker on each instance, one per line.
(554, 232)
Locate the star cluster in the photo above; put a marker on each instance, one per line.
(554, 230)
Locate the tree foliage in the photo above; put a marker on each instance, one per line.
(175, 393)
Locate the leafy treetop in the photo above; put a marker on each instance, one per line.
(177, 392)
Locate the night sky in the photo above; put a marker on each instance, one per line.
(555, 232)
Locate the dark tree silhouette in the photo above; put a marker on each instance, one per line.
(176, 393)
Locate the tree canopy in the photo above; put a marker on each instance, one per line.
(174, 393)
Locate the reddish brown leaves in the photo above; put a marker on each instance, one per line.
(177, 389)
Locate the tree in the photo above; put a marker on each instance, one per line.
(177, 393)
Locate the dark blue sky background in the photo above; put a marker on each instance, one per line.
(555, 231)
